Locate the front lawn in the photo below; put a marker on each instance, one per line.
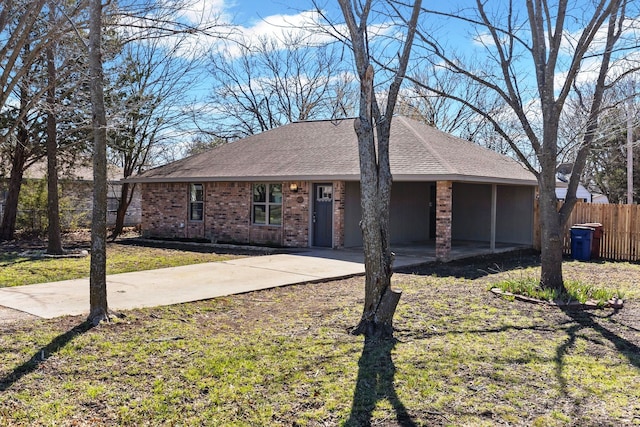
(17, 269)
(283, 357)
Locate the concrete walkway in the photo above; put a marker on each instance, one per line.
(176, 285)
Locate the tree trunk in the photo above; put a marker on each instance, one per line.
(98, 276)
(18, 162)
(375, 170)
(54, 244)
(8, 229)
(551, 244)
(123, 205)
(375, 196)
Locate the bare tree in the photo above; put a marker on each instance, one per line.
(54, 234)
(29, 78)
(537, 55)
(21, 147)
(98, 307)
(614, 156)
(372, 128)
(17, 20)
(21, 46)
(145, 97)
(420, 103)
(138, 20)
(271, 82)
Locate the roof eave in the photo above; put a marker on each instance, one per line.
(346, 177)
(261, 178)
(468, 178)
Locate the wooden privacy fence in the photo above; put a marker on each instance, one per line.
(621, 229)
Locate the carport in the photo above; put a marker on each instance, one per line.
(451, 219)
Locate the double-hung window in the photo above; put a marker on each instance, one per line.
(267, 204)
(196, 202)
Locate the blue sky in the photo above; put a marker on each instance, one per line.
(252, 13)
(252, 19)
(264, 18)
(249, 12)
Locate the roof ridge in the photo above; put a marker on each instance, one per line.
(429, 148)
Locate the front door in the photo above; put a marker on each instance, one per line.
(322, 215)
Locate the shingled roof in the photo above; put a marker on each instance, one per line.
(328, 150)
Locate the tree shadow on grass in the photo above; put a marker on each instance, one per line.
(42, 354)
(11, 259)
(376, 372)
(476, 267)
(585, 320)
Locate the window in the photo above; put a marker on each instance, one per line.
(196, 202)
(325, 193)
(267, 204)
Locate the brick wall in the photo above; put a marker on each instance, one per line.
(228, 211)
(295, 214)
(164, 210)
(444, 191)
(227, 214)
(339, 196)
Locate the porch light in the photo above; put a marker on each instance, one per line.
(293, 187)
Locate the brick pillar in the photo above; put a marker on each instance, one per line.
(443, 219)
(339, 194)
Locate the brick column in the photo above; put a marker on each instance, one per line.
(339, 194)
(443, 219)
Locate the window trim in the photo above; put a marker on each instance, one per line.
(267, 204)
(196, 202)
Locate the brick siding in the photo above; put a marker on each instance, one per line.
(227, 209)
(339, 196)
(444, 192)
(227, 214)
(295, 214)
(164, 210)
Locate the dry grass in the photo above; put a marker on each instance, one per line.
(462, 356)
(17, 269)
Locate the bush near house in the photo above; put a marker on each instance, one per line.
(32, 215)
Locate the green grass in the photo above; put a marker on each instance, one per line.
(283, 357)
(16, 270)
(576, 291)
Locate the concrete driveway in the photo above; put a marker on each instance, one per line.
(176, 285)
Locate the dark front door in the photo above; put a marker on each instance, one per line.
(322, 215)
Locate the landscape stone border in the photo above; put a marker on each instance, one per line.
(43, 254)
(615, 303)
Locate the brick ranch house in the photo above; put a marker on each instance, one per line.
(298, 186)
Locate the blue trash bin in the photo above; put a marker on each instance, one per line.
(581, 243)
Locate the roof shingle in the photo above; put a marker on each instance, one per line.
(328, 150)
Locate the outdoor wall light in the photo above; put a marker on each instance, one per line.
(293, 187)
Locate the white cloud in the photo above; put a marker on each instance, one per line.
(222, 31)
(303, 27)
(204, 10)
(484, 40)
(622, 60)
(221, 34)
